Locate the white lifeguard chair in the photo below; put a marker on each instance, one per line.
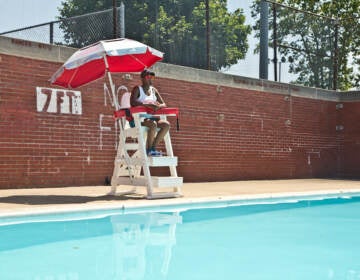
(132, 165)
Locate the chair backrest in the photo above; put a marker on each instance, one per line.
(125, 97)
(125, 100)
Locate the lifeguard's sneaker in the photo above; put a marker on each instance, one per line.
(153, 153)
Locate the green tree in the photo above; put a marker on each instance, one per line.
(307, 40)
(176, 27)
(79, 30)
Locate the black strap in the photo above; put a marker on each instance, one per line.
(128, 113)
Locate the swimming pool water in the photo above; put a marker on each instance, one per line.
(318, 239)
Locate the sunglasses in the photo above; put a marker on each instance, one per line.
(149, 77)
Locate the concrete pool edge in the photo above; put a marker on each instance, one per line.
(178, 204)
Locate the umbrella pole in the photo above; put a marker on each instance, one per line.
(112, 86)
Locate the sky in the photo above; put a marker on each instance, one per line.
(16, 14)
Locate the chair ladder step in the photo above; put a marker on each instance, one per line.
(152, 161)
(160, 181)
(163, 161)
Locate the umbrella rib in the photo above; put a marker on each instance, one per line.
(138, 60)
(72, 77)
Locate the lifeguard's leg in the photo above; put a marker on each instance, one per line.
(151, 132)
(164, 128)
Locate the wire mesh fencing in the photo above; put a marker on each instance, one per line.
(307, 42)
(305, 48)
(319, 50)
(75, 32)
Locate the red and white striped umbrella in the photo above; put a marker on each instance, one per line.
(92, 62)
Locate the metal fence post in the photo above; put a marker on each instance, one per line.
(115, 21)
(264, 41)
(336, 54)
(51, 32)
(207, 18)
(275, 42)
(122, 20)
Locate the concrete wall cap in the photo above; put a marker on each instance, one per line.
(41, 51)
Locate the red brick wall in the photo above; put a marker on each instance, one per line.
(349, 156)
(263, 136)
(226, 133)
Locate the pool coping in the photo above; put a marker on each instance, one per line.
(85, 211)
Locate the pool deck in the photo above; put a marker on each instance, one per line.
(14, 202)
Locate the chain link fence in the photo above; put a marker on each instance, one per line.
(75, 32)
(307, 42)
(185, 40)
(320, 51)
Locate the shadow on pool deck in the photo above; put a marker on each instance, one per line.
(63, 199)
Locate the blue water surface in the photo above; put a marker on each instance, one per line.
(317, 239)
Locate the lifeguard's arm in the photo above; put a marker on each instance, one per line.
(160, 100)
(135, 93)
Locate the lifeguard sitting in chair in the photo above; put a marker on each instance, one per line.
(136, 151)
(148, 96)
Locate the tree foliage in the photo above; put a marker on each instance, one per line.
(176, 27)
(307, 40)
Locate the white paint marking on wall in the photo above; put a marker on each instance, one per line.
(107, 94)
(60, 101)
(102, 128)
(311, 153)
(257, 117)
